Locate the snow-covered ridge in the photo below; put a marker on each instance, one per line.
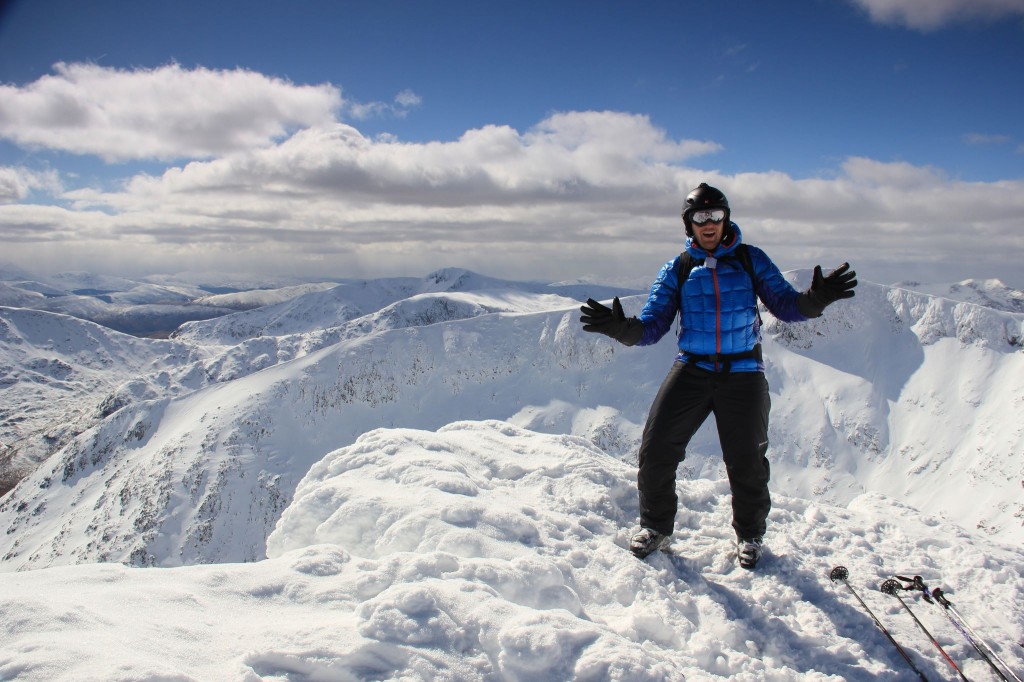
(990, 293)
(315, 311)
(259, 298)
(148, 307)
(18, 298)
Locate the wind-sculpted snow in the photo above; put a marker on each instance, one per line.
(483, 551)
(469, 489)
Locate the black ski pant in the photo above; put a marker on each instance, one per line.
(740, 403)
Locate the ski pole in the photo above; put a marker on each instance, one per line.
(893, 587)
(938, 600)
(917, 583)
(971, 635)
(841, 573)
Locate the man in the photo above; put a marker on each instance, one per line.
(714, 286)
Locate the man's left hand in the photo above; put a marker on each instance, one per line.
(827, 289)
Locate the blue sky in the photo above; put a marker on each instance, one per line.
(537, 140)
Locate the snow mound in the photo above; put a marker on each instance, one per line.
(500, 490)
(484, 551)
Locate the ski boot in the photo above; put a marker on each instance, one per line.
(646, 541)
(748, 551)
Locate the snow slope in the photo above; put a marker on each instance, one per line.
(258, 298)
(61, 375)
(18, 298)
(482, 551)
(138, 307)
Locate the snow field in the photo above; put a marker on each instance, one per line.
(486, 551)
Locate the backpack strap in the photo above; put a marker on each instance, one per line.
(684, 265)
(748, 264)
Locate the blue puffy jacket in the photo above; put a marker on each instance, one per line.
(720, 307)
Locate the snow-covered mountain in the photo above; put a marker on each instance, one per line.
(15, 297)
(61, 375)
(153, 306)
(46, 408)
(349, 301)
(443, 468)
(987, 292)
(259, 298)
(893, 392)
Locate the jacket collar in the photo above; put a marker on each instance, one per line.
(733, 238)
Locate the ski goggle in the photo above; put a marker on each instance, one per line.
(713, 215)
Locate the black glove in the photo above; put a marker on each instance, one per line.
(826, 290)
(611, 322)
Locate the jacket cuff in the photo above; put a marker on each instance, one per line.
(631, 333)
(808, 307)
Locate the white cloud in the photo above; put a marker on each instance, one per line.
(17, 183)
(408, 99)
(982, 139)
(567, 158)
(928, 15)
(579, 193)
(898, 175)
(163, 113)
(404, 101)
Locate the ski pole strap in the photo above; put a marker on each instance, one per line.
(940, 597)
(917, 584)
(725, 359)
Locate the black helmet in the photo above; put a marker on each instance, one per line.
(704, 196)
